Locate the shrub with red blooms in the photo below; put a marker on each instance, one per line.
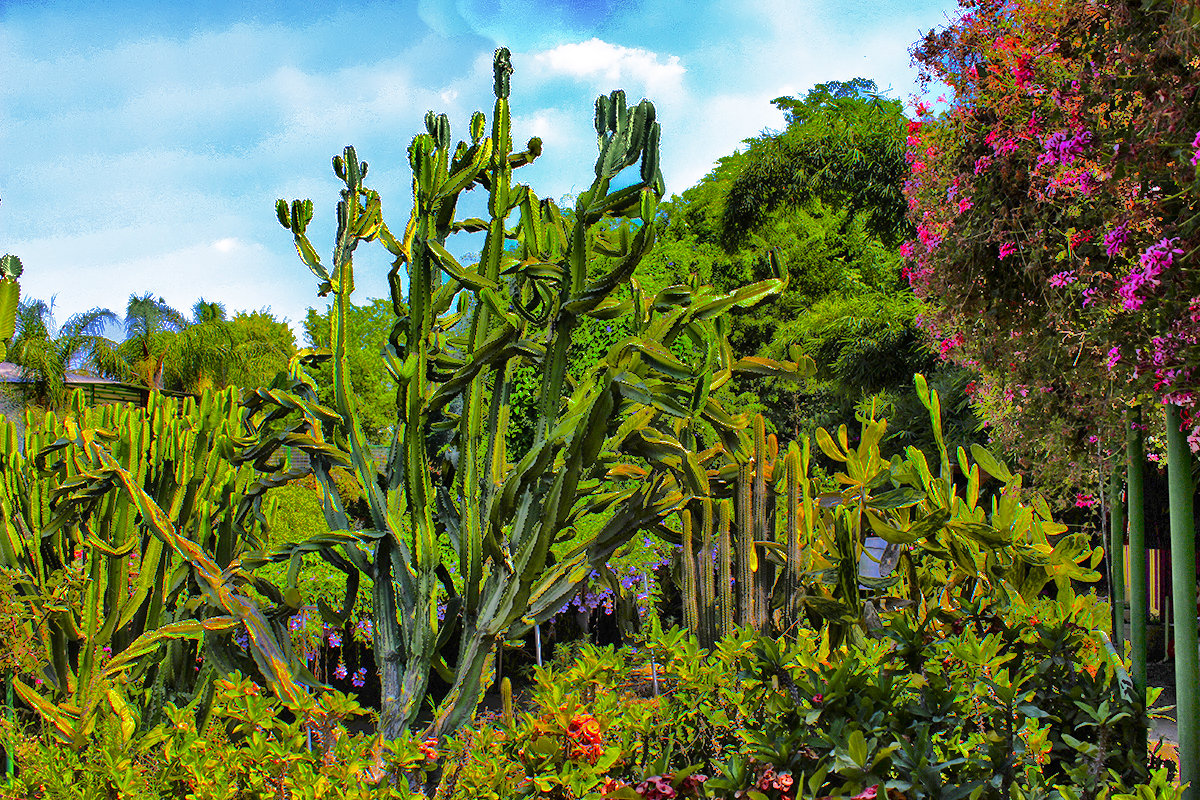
(1056, 207)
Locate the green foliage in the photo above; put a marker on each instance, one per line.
(794, 548)
(367, 328)
(122, 530)
(245, 749)
(46, 352)
(991, 705)
(824, 198)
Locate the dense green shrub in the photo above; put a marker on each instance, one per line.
(974, 704)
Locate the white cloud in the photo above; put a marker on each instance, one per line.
(612, 64)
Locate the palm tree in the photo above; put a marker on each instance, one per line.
(204, 352)
(150, 328)
(46, 353)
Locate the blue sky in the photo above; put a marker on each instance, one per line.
(144, 144)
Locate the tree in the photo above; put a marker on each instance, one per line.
(367, 329)
(212, 351)
(150, 328)
(824, 199)
(843, 146)
(46, 352)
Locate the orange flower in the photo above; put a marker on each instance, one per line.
(585, 728)
(428, 749)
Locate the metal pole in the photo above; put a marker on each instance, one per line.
(1183, 590)
(1135, 459)
(1116, 538)
(537, 642)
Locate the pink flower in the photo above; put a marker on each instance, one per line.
(1156, 258)
(1022, 74)
(1114, 355)
(1196, 155)
(1062, 279)
(906, 250)
(964, 204)
(1115, 240)
(1084, 500)
(1007, 249)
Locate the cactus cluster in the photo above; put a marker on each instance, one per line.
(122, 525)
(788, 553)
(613, 440)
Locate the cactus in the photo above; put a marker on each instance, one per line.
(460, 332)
(10, 297)
(92, 490)
(795, 552)
(507, 701)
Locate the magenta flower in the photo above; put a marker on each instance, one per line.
(1062, 279)
(1114, 355)
(1114, 241)
(1007, 249)
(1153, 262)
(1196, 147)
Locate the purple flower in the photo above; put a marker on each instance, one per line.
(1114, 355)
(1062, 279)
(1061, 148)
(339, 671)
(334, 637)
(1196, 157)
(360, 678)
(1156, 258)
(1114, 241)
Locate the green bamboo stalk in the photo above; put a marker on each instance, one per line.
(1116, 556)
(1183, 591)
(1135, 503)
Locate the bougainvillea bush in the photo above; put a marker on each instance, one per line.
(1055, 200)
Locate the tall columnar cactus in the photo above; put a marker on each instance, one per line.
(10, 297)
(460, 332)
(122, 525)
